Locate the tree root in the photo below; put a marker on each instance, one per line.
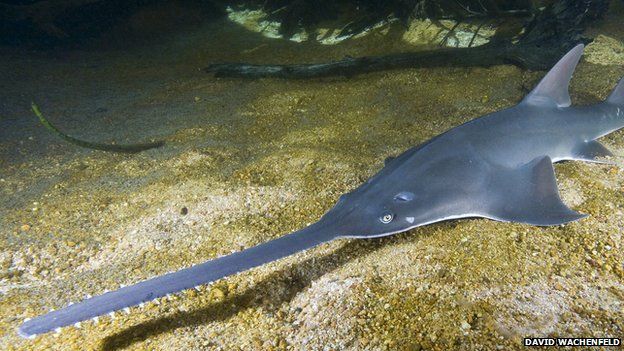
(488, 55)
(547, 36)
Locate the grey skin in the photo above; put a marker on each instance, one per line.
(498, 166)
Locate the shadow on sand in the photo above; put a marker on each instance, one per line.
(288, 281)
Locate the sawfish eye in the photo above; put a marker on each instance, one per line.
(386, 217)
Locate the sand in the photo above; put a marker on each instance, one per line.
(251, 160)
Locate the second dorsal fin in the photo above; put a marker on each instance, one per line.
(553, 88)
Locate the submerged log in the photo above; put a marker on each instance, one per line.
(534, 58)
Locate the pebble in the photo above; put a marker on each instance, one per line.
(218, 293)
(4, 273)
(257, 344)
(5, 262)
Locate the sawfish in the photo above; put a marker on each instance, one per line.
(498, 166)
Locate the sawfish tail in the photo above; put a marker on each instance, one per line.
(177, 281)
(614, 110)
(617, 95)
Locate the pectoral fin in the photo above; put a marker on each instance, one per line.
(529, 194)
(590, 150)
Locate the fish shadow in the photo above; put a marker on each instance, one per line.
(279, 287)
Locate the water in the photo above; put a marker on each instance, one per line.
(254, 159)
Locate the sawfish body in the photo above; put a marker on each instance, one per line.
(498, 166)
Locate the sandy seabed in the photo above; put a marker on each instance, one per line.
(251, 160)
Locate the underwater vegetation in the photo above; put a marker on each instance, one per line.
(132, 148)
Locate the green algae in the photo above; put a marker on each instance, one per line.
(130, 148)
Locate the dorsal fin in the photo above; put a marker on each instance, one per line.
(553, 88)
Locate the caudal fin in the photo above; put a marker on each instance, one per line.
(615, 107)
(617, 95)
